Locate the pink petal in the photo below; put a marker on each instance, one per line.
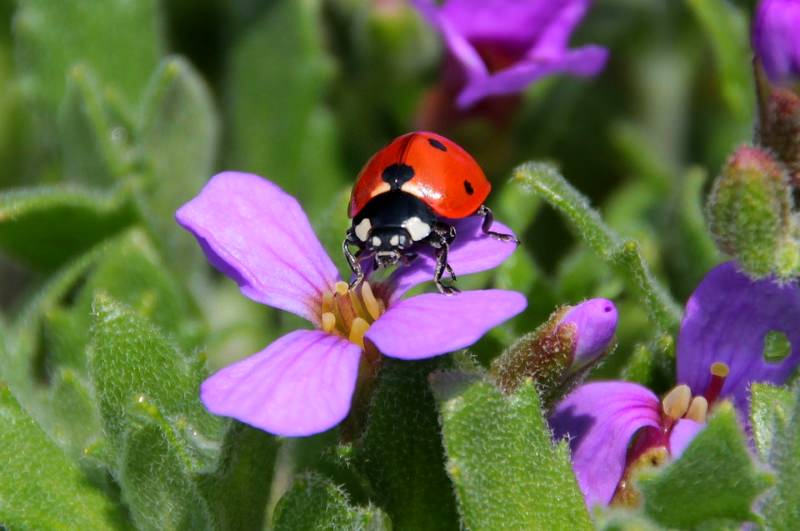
(299, 385)
(586, 61)
(433, 324)
(600, 419)
(682, 434)
(471, 252)
(258, 235)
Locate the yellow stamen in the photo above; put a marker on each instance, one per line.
(677, 401)
(328, 321)
(720, 369)
(357, 331)
(698, 409)
(370, 301)
(356, 303)
(327, 301)
(341, 287)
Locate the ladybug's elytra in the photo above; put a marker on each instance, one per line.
(403, 198)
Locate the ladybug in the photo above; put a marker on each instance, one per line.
(403, 199)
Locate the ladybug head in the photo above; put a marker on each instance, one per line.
(388, 245)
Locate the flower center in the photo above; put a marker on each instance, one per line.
(350, 312)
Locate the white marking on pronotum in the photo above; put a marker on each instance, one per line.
(362, 229)
(394, 240)
(376, 241)
(418, 229)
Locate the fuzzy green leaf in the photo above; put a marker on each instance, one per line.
(238, 491)
(39, 487)
(155, 478)
(543, 180)
(130, 362)
(770, 413)
(178, 142)
(279, 128)
(502, 460)
(782, 507)
(726, 27)
(715, 478)
(401, 452)
(93, 148)
(51, 37)
(46, 226)
(316, 503)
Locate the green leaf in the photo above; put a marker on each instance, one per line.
(121, 43)
(76, 420)
(178, 138)
(315, 502)
(276, 86)
(39, 487)
(726, 27)
(92, 149)
(543, 180)
(770, 412)
(502, 460)
(154, 476)
(238, 491)
(46, 226)
(782, 507)
(131, 362)
(714, 479)
(401, 451)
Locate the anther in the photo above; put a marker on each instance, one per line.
(698, 409)
(327, 301)
(341, 287)
(370, 301)
(328, 321)
(676, 403)
(357, 331)
(719, 371)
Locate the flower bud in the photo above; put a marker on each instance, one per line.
(779, 127)
(750, 211)
(558, 353)
(776, 40)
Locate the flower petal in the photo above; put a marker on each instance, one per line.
(586, 61)
(299, 385)
(682, 434)
(595, 323)
(258, 235)
(454, 39)
(471, 252)
(727, 319)
(554, 38)
(600, 419)
(431, 324)
(776, 39)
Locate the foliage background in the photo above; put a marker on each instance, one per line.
(114, 113)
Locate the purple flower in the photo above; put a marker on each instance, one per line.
(595, 322)
(728, 323)
(501, 46)
(303, 383)
(776, 39)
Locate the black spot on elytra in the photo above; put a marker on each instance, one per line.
(397, 174)
(468, 187)
(438, 145)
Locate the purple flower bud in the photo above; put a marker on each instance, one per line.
(595, 322)
(776, 39)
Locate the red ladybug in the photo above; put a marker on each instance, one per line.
(404, 197)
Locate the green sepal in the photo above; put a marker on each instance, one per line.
(314, 502)
(502, 459)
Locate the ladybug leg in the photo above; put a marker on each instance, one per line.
(352, 259)
(443, 236)
(488, 219)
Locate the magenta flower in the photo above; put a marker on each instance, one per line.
(728, 323)
(776, 39)
(303, 383)
(501, 46)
